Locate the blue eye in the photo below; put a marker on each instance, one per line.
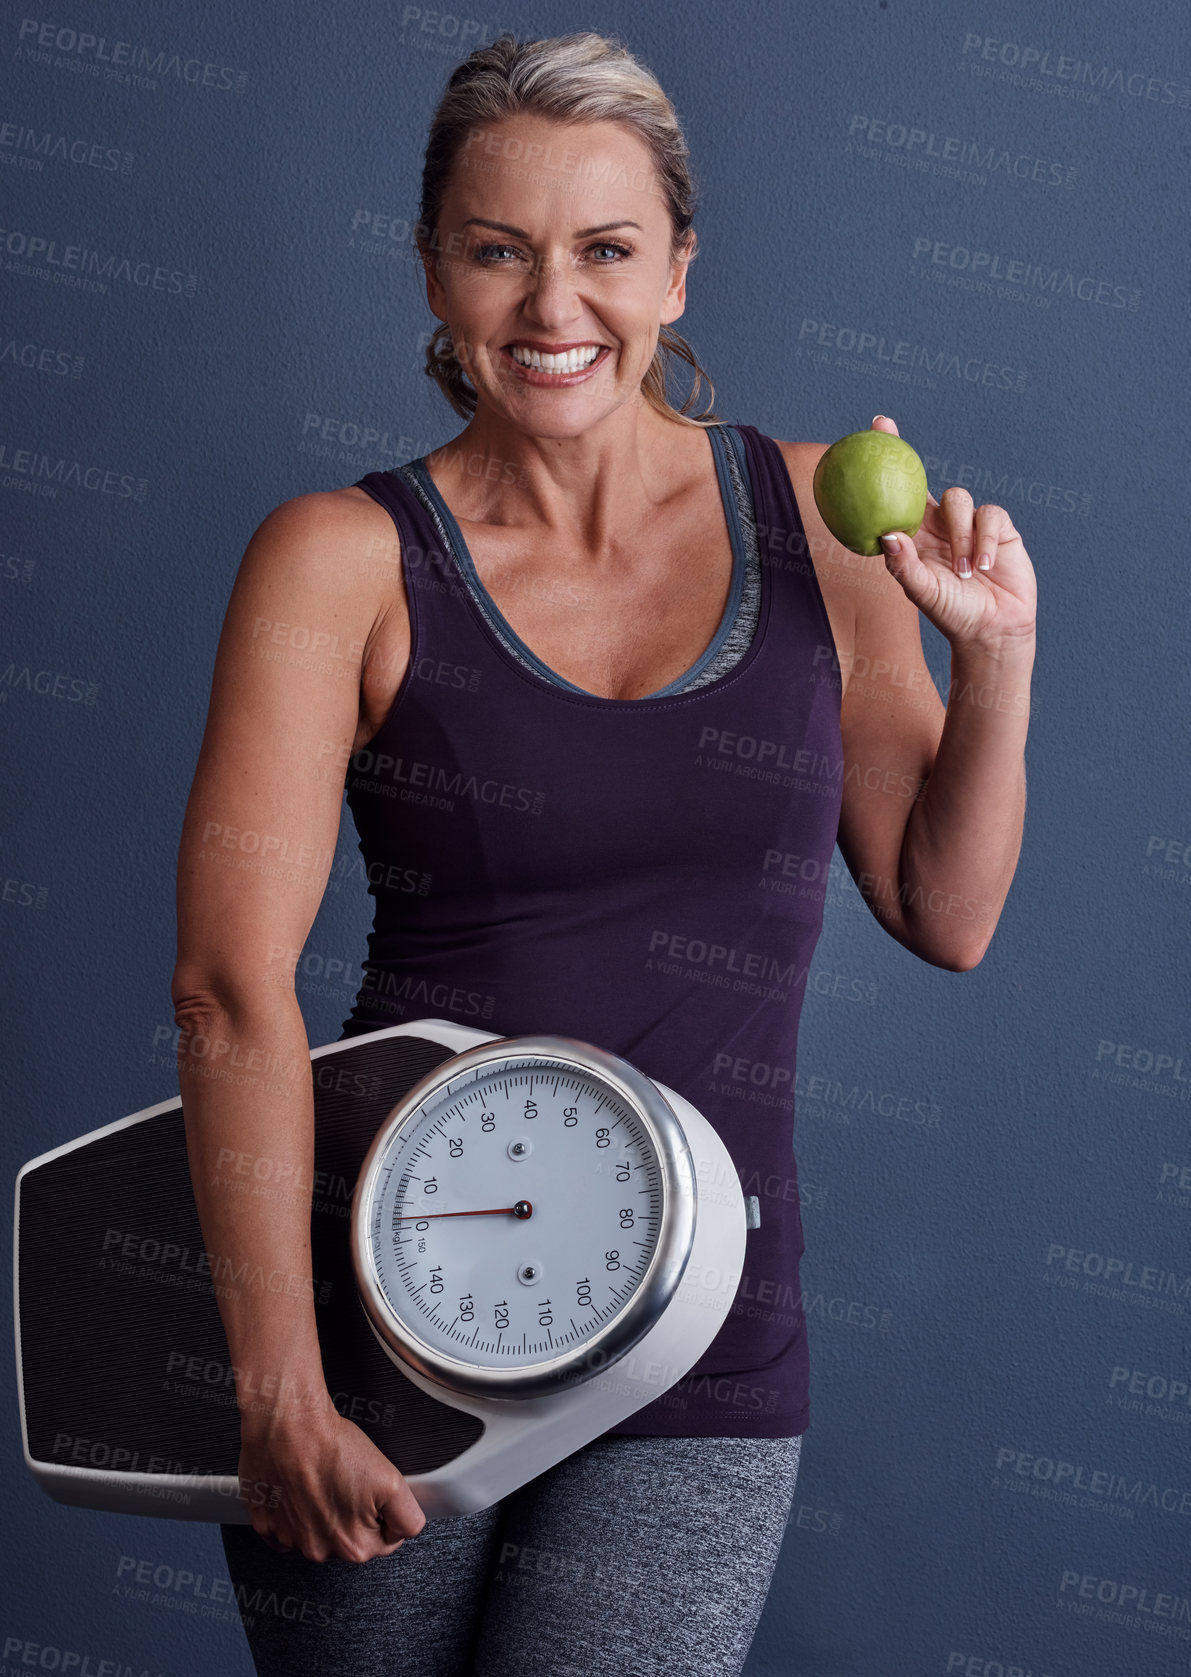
(492, 256)
(484, 253)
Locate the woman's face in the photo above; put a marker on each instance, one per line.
(554, 242)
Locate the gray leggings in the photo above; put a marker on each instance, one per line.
(633, 1557)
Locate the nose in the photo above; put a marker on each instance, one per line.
(552, 298)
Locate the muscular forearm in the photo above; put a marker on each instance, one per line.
(963, 834)
(248, 1107)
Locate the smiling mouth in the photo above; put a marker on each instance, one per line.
(560, 364)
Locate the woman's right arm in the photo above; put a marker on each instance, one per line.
(257, 843)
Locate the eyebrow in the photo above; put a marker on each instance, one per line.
(520, 233)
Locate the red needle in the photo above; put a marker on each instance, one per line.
(523, 1208)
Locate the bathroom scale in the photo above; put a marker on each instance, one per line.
(516, 1243)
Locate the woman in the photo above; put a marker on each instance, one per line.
(593, 672)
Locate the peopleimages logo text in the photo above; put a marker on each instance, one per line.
(1122, 1271)
(96, 51)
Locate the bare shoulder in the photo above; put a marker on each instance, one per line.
(321, 580)
(327, 528)
(831, 559)
(335, 549)
(869, 612)
(841, 575)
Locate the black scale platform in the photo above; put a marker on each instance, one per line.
(114, 1304)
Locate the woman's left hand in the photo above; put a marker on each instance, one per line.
(993, 605)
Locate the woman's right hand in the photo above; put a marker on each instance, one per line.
(316, 1483)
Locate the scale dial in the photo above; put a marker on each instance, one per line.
(523, 1217)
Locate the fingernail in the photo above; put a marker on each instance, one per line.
(892, 544)
(984, 563)
(964, 566)
(875, 418)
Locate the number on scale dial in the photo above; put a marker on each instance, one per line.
(513, 1214)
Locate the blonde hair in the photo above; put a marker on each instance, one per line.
(582, 77)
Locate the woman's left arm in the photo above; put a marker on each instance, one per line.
(935, 866)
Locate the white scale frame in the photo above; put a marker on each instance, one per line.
(521, 1437)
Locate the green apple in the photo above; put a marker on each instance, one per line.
(866, 484)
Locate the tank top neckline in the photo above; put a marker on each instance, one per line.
(539, 673)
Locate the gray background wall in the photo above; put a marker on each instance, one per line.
(996, 1165)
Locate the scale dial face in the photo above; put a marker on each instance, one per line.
(523, 1217)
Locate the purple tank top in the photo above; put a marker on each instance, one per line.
(644, 874)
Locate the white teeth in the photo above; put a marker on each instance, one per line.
(567, 361)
